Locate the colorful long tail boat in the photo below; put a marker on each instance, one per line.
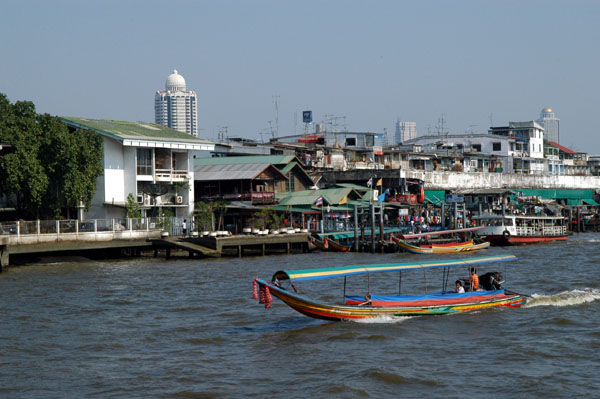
(330, 245)
(446, 248)
(358, 307)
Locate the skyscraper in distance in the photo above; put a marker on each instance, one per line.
(176, 107)
(551, 125)
(405, 131)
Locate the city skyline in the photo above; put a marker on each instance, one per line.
(256, 66)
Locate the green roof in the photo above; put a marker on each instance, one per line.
(332, 196)
(132, 130)
(557, 194)
(354, 186)
(288, 167)
(268, 159)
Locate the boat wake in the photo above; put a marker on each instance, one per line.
(566, 298)
(383, 319)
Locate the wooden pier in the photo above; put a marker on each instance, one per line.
(237, 245)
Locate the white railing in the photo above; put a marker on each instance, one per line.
(23, 232)
(544, 231)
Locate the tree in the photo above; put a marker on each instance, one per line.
(133, 208)
(50, 168)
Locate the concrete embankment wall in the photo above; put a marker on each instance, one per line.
(464, 181)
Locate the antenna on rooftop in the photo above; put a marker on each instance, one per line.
(276, 101)
(440, 126)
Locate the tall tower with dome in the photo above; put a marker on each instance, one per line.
(176, 107)
(550, 123)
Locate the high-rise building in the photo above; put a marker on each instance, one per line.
(405, 131)
(176, 107)
(550, 123)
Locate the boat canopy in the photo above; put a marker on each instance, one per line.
(442, 232)
(318, 274)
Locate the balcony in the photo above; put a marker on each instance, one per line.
(171, 175)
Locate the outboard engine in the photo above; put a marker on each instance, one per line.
(491, 281)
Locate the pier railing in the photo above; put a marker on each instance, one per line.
(30, 231)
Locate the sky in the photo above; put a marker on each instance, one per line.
(256, 65)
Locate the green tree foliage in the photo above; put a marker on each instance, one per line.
(49, 168)
(267, 217)
(133, 208)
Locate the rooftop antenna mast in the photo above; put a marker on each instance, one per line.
(276, 101)
(440, 126)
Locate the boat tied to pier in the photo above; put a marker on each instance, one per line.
(328, 244)
(518, 229)
(442, 241)
(283, 287)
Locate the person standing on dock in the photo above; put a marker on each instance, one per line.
(184, 227)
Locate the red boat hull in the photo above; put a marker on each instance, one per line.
(519, 240)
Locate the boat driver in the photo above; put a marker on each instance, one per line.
(474, 280)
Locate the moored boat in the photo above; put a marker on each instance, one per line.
(330, 245)
(282, 286)
(516, 229)
(443, 248)
(442, 241)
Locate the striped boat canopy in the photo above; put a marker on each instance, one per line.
(317, 274)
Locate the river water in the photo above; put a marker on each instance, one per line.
(188, 328)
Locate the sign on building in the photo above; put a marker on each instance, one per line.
(455, 198)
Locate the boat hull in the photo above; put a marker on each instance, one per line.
(330, 245)
(352, 312)
(501, 240)
(441, 249)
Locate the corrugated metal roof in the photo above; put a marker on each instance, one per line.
(250, 159)
(133, 130)
(332, 196)
(245, 171)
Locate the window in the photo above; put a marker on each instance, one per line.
(496, 146)
(144, 161)
(477, 147)
(350, 142)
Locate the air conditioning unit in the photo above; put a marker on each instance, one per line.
(147, 200)
(140, 198)
(179, 200)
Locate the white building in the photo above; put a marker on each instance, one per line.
(153, 163)
(527, 150)
(551, 125)
(176, 107)
(405, 131)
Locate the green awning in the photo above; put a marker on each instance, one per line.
(588, 201)
(436, 197)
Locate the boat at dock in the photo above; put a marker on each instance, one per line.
(446, 248)
(283, 287)
(328, 244)
(442, 241)
(518, 229)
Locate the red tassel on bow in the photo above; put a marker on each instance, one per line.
(254, 290)
(268, 298)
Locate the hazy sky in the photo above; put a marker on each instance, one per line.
(368, 62)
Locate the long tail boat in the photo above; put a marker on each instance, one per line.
(441, 242)
(330, 245)
(445, 248)
(283, 286)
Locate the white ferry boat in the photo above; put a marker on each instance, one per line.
(516, 229)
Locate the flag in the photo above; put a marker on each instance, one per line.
(343, 200)
(370, 182)
(381, 198)
(380, 182)
(319, 201)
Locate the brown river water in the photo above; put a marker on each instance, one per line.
(188, 328)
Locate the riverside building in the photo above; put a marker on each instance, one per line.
(176, 107)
